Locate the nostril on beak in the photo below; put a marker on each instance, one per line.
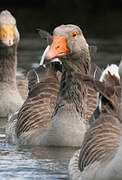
(10, 42)
(57, 47)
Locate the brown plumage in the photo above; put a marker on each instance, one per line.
(50, 119)
(10, 97)
(100, 155)
(42, 97)
(101, 140)
(70, 111)
(95, 72)
(35, 114)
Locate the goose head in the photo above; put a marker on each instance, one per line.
(9, 34)
(68, 40)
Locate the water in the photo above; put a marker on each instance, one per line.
(40, 163)
(33, 163)
(26, 163)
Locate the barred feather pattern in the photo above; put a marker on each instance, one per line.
(91, 103)
(37, 110)
(101, 141)
(73, 167)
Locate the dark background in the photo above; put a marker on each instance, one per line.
(100, 21)
(95, 17)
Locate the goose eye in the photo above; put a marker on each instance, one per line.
(74, 34)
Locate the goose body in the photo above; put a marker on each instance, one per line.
(32, 120)
(66, 122)
(100, 156)
(10, 96)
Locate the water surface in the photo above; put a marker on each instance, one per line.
(27, 162)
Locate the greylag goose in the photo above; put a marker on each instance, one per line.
(95, 72)
(10, 96)
(100, 156)
(71, 109)
(66, 122)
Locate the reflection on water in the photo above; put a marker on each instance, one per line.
(33, 163)
(26, 163)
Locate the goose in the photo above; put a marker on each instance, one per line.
(95, 72)
(66, 122)
(11, 94)
(70, 113)
(100, 155)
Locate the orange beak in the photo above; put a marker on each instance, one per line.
(58, 48)
(7, 34)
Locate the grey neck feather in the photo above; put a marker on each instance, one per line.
(8, 63)
(72, 90)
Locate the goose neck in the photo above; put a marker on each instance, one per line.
(8, 63)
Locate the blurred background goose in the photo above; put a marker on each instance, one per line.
(11, 85)
(66, 122)
(100, 156)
